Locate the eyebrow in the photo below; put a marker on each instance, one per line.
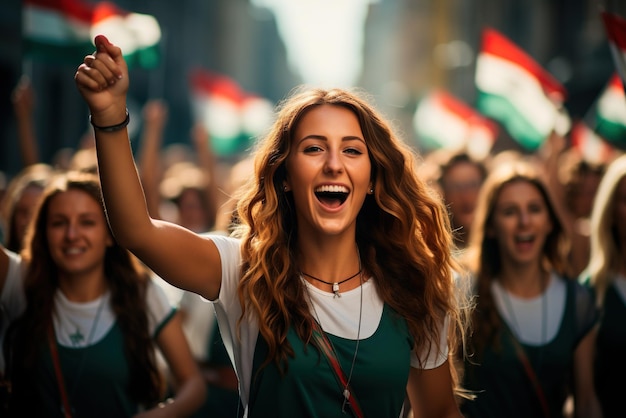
(323, 138)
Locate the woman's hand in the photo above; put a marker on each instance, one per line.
(102, 80)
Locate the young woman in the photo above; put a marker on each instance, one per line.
(533, 327)
(606, 274)
(337, 294)
(87, 317)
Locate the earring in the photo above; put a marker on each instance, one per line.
(371, 190)
(284, 187)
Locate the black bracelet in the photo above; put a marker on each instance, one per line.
(112, 128)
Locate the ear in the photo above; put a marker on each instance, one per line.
(370, 188)
(109, 241)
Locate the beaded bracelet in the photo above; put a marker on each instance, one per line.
(112, 128)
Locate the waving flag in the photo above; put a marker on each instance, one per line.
(443, 121)
(517, 92)
(616, 32)
(610, 113)
(232, 116)
(63, 31)
(58, 30)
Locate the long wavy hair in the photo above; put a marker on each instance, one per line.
(483, 258)
(402, 232)
(607, 251)
(126, 280)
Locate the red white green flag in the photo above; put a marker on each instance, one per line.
(616, 33)
(137, 34)
(444, 121)
(516, 91)
(231, 116)
(57, 29)
(591, 147)
(63, 31)
(610, 113)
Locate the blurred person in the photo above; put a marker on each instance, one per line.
(606, 275)
(22, 196)
(573, 182)
(189, 181)
(579, 180)
(460, 180)
(342, 252)
(532, 326)
(86, 318)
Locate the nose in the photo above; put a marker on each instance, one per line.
(71, 232)
(333, 163)
(524, 217)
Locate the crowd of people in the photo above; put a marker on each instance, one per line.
(332, 271)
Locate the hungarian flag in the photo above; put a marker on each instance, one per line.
(57, 29)
(137, 34)
(63, 31)
(516, 91)
(444, 121)
(591, 147)
(610, 113)
(231, 116)
(616, 33)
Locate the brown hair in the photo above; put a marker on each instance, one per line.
(403, 233)
(126, 280)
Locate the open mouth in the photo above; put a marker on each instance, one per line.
(332, 196)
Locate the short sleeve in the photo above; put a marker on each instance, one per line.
(160, 311)
(13, 299)
(587, 313)
(432, 358)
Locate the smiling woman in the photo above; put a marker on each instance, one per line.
(533, 326)
(334, 208)
(86, 317)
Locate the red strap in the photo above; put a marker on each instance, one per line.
(528, 368)
(59, 373)
(324, 344)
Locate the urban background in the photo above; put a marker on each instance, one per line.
(394, 49)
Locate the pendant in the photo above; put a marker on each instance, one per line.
(336, 290)
(346, 400)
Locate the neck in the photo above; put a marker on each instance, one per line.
(331, 261)
(524, 282)
(82, 289)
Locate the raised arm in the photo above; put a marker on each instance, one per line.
(150, 169)
(23, 98)
(179, 256)
(206, 162)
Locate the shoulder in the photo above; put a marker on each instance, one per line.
(226, 245)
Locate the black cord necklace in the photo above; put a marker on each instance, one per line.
(346, 392)
(335, 285)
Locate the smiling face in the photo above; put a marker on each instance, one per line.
(77, 233)
(328, 171)
(520, 223)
